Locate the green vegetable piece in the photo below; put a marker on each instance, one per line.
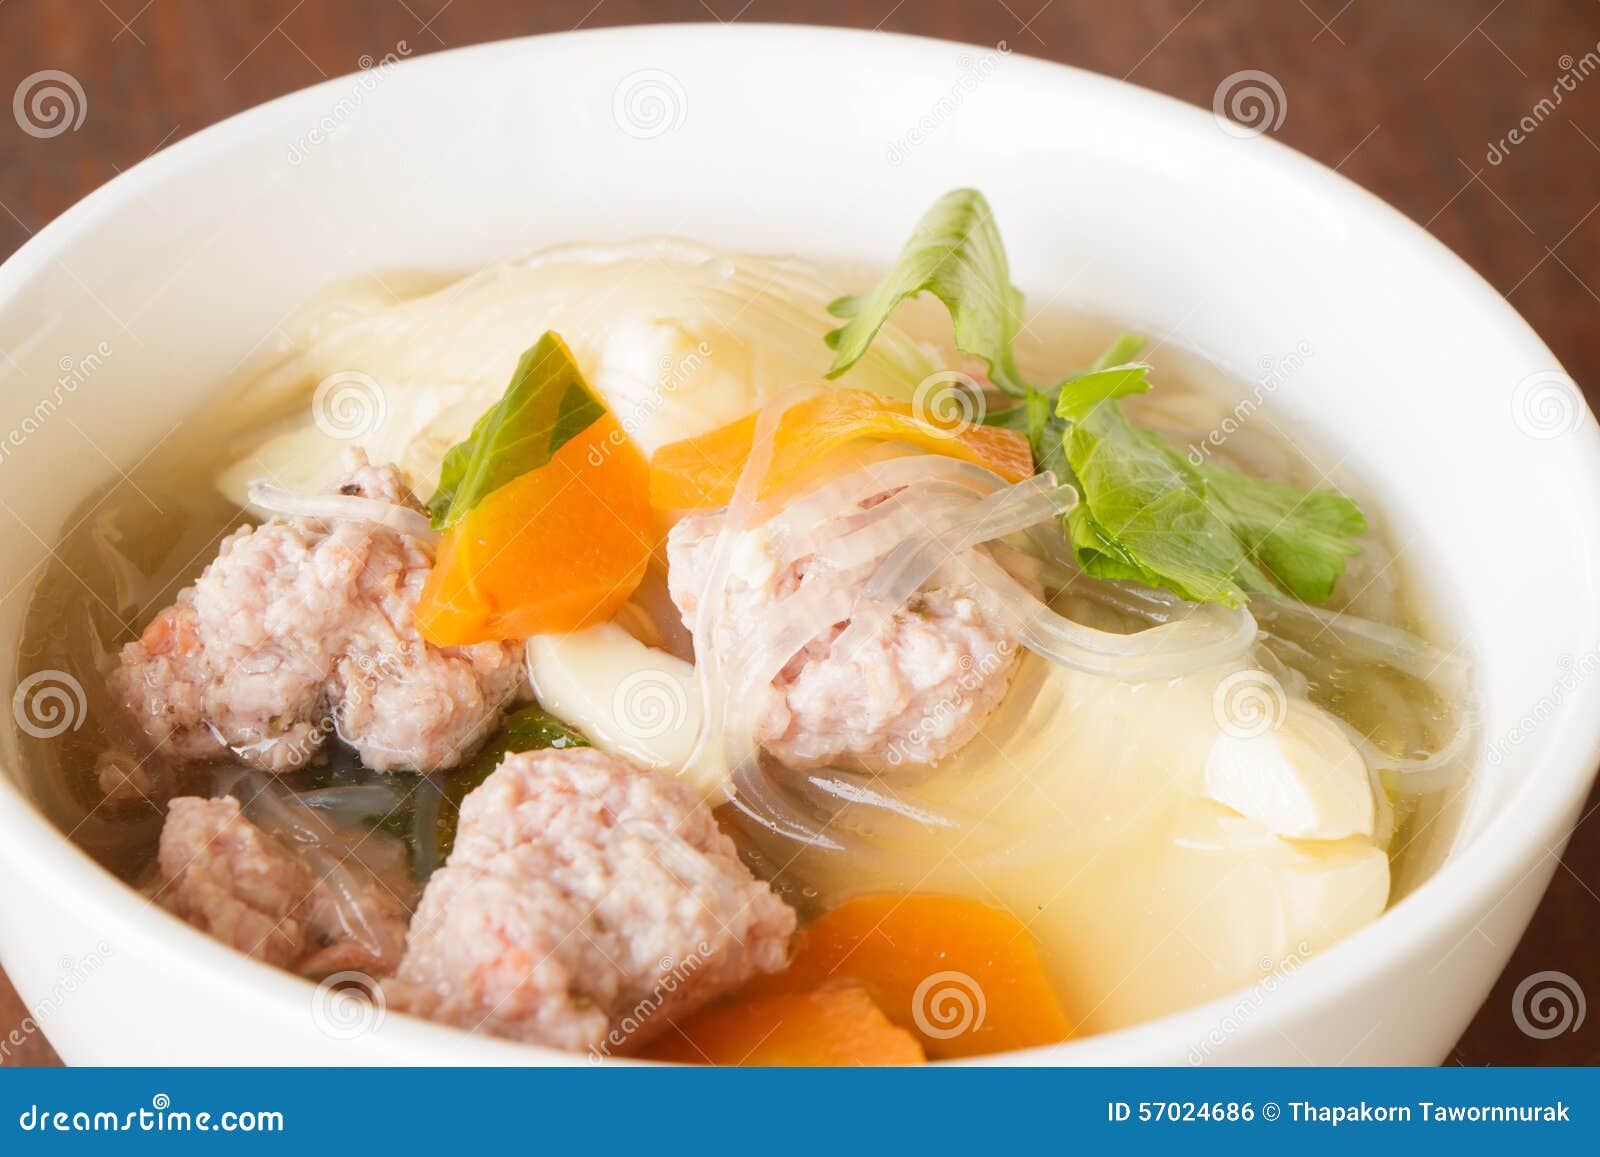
(1301, 538)
(545, 406)
(1147, 514)
(1144, 514)
(1079, 394)
(1114, 375)
(1035, 418)
(1120, 352)
(955, 253)
(1225, 532)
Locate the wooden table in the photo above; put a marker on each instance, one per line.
(1405, 99)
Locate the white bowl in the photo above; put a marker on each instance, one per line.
(826, 143)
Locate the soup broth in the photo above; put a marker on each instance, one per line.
(1081, 808)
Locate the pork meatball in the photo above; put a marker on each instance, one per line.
(916, 689)
(234, 881)
(585, 904)
(302, 628)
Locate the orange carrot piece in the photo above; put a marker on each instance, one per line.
(964, 977)
(560, 548)
(702, 471)
(838, 1027)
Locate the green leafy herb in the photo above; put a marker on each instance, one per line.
(1114, 375)
(1035, 418)
(1207, 533)
(1144, 514)
(547, 404)
(955, 253)
(1301, 538)
(1081, 393)
(1147, 513)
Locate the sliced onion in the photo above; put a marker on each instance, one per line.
(856, 792)
(342, 508)
(1420, 775)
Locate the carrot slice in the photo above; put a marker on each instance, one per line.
(837, 1027)
(702, 471)
(964, 977)
(556, 549)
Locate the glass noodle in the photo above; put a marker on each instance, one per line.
(905, 520)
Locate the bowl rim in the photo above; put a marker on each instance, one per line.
(1529, 827)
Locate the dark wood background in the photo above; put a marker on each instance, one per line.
(1404, 98)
